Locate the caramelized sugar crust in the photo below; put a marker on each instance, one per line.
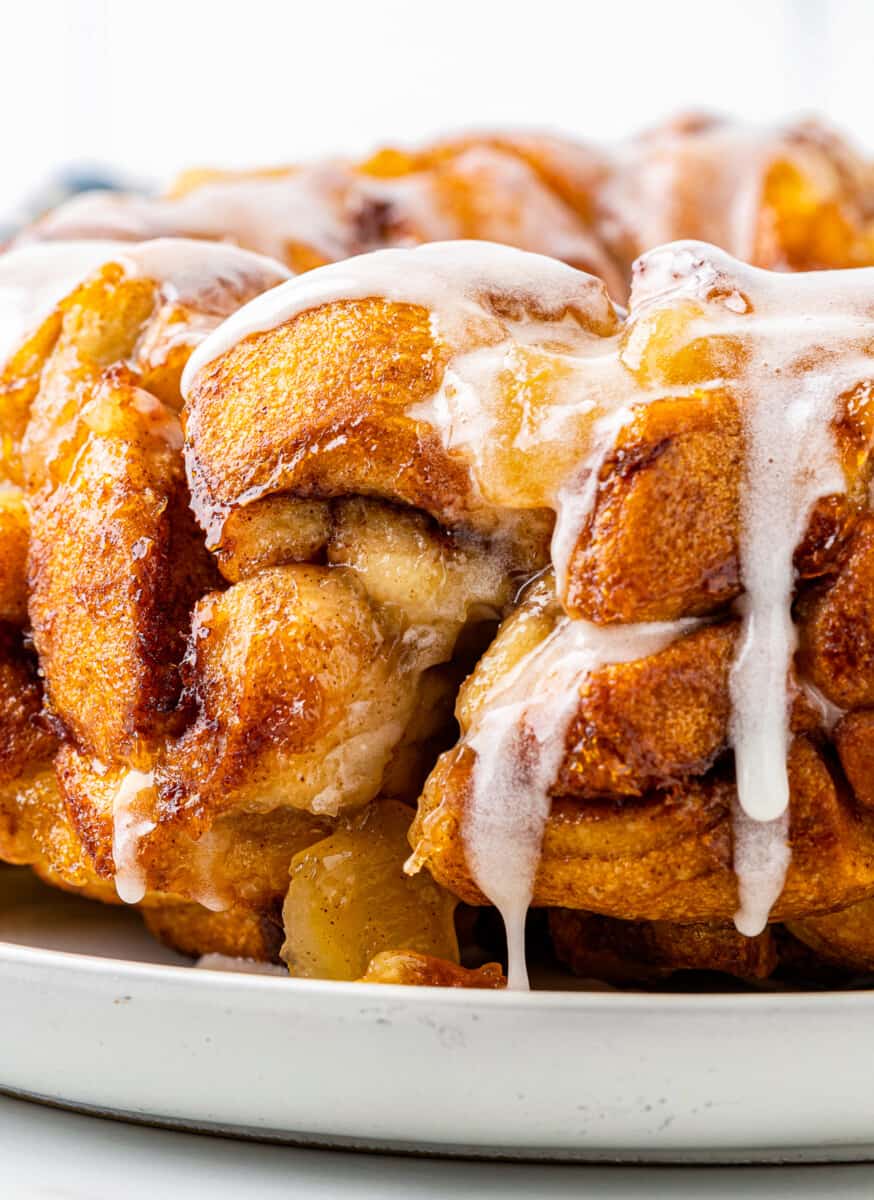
(331, 393)
(668, 855)
(844, 939)
(422, 970)
(623, 952)
(236, 933)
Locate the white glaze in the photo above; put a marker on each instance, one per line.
(129, 827)
(488, 352)
(242, 966)
(266, 214)
(790, 462)
(829, 712)
(709, 183)
(519, 743)
(208, 855)
(194, 272)
(575, 500)
(761, 860)
(706, 185)
(35, 278)
(448, 278)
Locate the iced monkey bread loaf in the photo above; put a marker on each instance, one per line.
(260, 535)
(669, 720)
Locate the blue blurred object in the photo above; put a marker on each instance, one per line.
(60, 186)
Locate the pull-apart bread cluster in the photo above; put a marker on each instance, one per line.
(431, 576)
(793, 198)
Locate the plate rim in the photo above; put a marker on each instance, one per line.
(823, 1154)
(96, 966)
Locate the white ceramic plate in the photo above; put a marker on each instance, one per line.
(97, 1016)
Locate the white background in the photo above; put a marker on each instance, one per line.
(155, 86)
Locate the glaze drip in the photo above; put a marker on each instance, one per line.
(130, 825)
(519, 744)
(780, 325)
(790, 464)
